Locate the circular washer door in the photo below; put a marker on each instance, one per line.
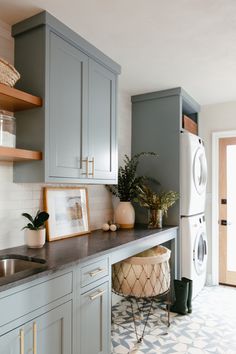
(200, 252)
(200, 170)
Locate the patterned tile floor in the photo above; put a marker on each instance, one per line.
(211, 328)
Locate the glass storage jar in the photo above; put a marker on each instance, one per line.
(155, 218)
(7, 130)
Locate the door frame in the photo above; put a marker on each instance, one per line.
(216, 136)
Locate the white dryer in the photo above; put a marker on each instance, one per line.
(194, 250)
(193, 174)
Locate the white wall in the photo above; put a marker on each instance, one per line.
(18, 198)
(214, 118)
(124, 125)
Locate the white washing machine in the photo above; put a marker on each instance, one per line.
(193, 174)
(194, 250)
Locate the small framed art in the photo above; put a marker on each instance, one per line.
(68, 210)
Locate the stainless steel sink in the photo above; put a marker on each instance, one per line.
(13, 264)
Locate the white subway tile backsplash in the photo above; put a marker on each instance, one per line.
(18, 198)
(28, 204)
(37, 195)
(20, 195)
(6, 172)
(6, 205)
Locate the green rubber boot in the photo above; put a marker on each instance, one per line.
(190, 293)
(181, 297)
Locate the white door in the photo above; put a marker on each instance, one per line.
(227, 211)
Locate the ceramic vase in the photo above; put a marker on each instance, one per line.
(125, 215)
(35, 238)
(155, 218)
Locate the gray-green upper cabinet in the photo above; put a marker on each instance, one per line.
(76, 126)
(102, 122)
(68, 108)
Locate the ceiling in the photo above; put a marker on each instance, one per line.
(160, 44)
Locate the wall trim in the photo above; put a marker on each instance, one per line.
(209, 279)
(215, 201)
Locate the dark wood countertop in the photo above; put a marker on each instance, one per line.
(68, 252)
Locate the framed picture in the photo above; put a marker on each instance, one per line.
(68, 212)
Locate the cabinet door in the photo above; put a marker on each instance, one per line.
(50, 333)
(54, 332)
(13, 342)
(102, 122)
(94, 321)
(68, 104)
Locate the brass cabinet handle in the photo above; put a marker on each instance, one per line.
(95, 272)
(92, 162)
(22, 341)
(93, 166)
(97, 294)
(34, 338)
(87, 166)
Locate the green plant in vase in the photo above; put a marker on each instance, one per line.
(36, 222)
(35, 232)
(157, 203)
(127, 189)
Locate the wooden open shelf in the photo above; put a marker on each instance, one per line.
(14, 100)
(13, 154)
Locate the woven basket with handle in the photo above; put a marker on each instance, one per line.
(8, 74)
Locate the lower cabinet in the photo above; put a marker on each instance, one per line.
(50, 333)
(54, 332)
(53, 316)
(95, 320)
(13, 342)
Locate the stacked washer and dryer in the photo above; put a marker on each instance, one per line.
(193, 239)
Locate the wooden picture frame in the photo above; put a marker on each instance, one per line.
(68, 212)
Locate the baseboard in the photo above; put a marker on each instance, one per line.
(209, 281)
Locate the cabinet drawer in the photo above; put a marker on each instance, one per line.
(22, 302)
(92, 272)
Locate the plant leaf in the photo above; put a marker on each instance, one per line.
(40, 219)
(28, 216)
(29, 226)
(128, 181)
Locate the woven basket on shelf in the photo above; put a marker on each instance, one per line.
(8, 74)
(145, 275)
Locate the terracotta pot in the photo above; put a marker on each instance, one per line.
(35, 238)
(125, 215)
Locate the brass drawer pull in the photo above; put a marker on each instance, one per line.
(97, 294)
(22, 341)
(34, 338)
(95, 272)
